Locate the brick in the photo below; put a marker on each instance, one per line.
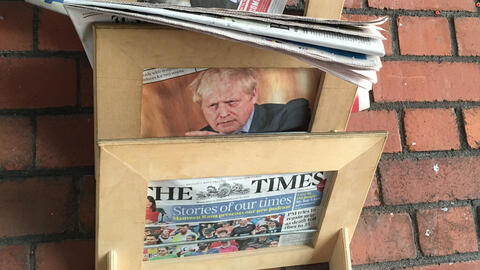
(14, 257)
(86, 83)
(378, 120)
(87, 204)
(424, 36)
(37, 83)
(473, 265)
(446, 231)
(16, 143)
(382, 237)
(387, 44)
(431, 180)
(15, 34)
(66, 255)
(373, 194)
(467, 5)
(352, 4)
(427, 81)
(472, 126)
(64, 141)
(468, 40)
(431, 129)
(56, 32)
(35, 206)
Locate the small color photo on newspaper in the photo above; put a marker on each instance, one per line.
(268, 6)
(219, 101)
(216, 215)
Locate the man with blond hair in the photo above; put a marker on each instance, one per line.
(228, 96)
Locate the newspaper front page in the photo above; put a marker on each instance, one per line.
(216, 215)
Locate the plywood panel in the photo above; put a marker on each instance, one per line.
(335, 96)
(334, 103)
(341, 252)
(122, 53)
(126, 166)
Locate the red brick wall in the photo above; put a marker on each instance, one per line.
(425, 206)
(47, 191)
(422, 211)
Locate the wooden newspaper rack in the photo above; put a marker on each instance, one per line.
(125, 163)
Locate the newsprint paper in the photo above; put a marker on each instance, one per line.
(216, 215)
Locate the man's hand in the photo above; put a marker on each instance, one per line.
(201, 133)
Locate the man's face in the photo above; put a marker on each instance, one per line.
(183, 229)
(207, 233)
(162, 251)
(273, 244)
(165, 233)
(151, 240)
(243, 222)
(228, 108)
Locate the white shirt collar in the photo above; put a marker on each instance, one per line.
(247, 125)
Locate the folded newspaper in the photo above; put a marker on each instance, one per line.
(349, 50)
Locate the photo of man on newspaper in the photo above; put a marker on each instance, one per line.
(228, 97)
(251, 212)
(219, 101)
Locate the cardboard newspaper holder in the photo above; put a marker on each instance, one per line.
(126, 166)
(124, 51)
(125, 162)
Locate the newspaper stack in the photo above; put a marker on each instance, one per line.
(348, 50)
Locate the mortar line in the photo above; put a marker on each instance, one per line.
(429, 58)
(426, 155)
(409, 12)
(453, 35)
(422, 105)
(462, 135)
(394, 38)
(409, 207)
(423, 261)
(416, 234)
(476, 222)
(401, 130)
(40, 54)
(33, 121)
(45, 238)
(379, 178)
(48, 111)
(19, 175)
(32, 259)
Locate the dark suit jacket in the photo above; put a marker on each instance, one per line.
(269, 117)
